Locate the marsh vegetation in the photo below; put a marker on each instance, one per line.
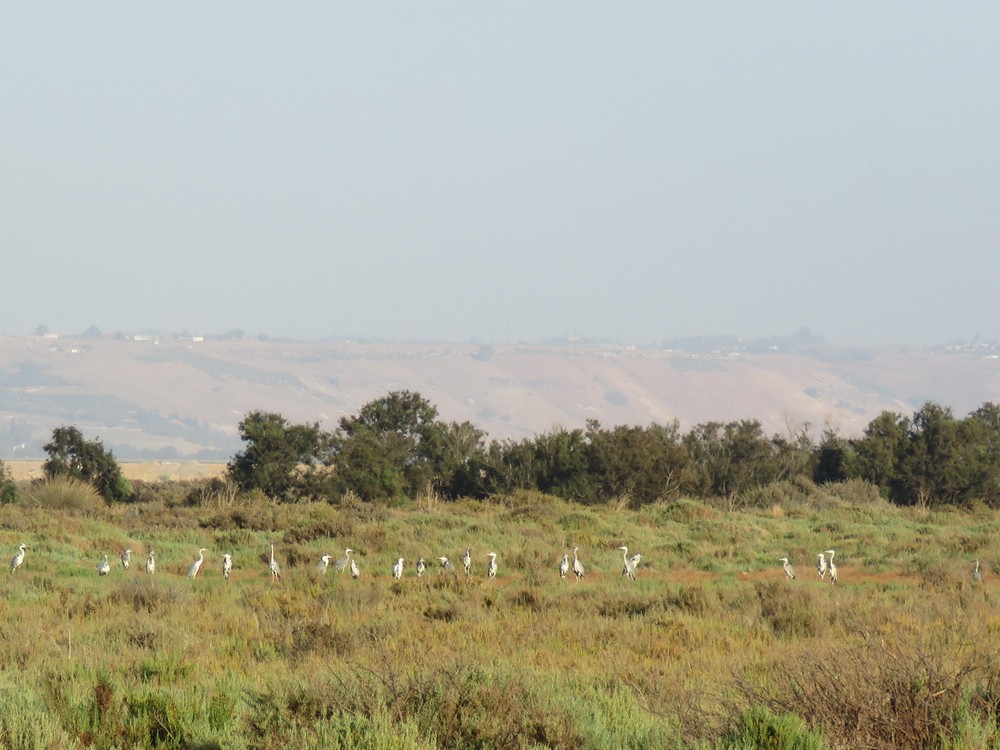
(711, 647)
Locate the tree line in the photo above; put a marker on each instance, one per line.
(397, 447)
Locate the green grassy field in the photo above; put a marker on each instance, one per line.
(711, 647)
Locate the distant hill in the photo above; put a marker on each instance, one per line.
(173, 398)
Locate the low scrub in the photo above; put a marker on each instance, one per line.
(63, 492)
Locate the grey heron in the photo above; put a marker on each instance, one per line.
(821, 566)
(467, 561)
(491, 567)
(355, 570)
(126, 558)
(150, 563)
(564, 565)
(977, 573)
(446, 565)
(577, 565)
(397, 569)
(103, 567)
(341, 565)
(323, 564)
(227, 565)
(789, 571)
(196, 565)
(631, 563)
(18, 559)
(831, 566)
(421, 567)
(274, 567)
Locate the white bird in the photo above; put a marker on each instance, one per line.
(788, 568)
(227, 565)
(18, 558)
(150, 563)
(977, 574)
(103, 567)
(196, 565)
(323, 564)
(126, 558)
(564, 565)
(630, 563)
(467, 561)
(274, 567)
(397, 569)
(491, 567)
(821, 566)
(833, 568)
(577, 565)
(341, 564)
(446, 565)
(421, 567)
(355, 570)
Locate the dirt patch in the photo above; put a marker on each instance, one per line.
(145, 471)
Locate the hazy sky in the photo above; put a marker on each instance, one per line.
(502, 170)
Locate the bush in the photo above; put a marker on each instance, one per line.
(789, 610)
(904, 691)
(759, 729)
(63, 492)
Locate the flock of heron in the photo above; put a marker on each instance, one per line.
(348, 562)
(824, 564)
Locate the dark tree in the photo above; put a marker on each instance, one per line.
(8, 490)
(645, 464)
(396, 446)
(71, 454)
(880, 452)
(281, 459)
(833, 458)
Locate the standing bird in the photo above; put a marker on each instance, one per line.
(196, 565)
(150, 563)
(323, 564)
(421, 567)
(341, 564)
(630, 563)
(355, 570)
(977, 574)
(18, 559)
(564, 566)
(227, 565)
(577, 565)
(789, 572)
(397, 569)
(491, 567)
(467, 561)
(126, 558)
(833, 568)
(274, 567)
(446, 565)
(821, 566)
(103, 567)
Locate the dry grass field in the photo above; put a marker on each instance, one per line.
(712, 647)
(145, 471)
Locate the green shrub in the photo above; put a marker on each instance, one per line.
(759, 729)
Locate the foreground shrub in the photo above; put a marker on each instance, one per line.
(759, 729)
(789, 610)
(893, 691)
(63, 492)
